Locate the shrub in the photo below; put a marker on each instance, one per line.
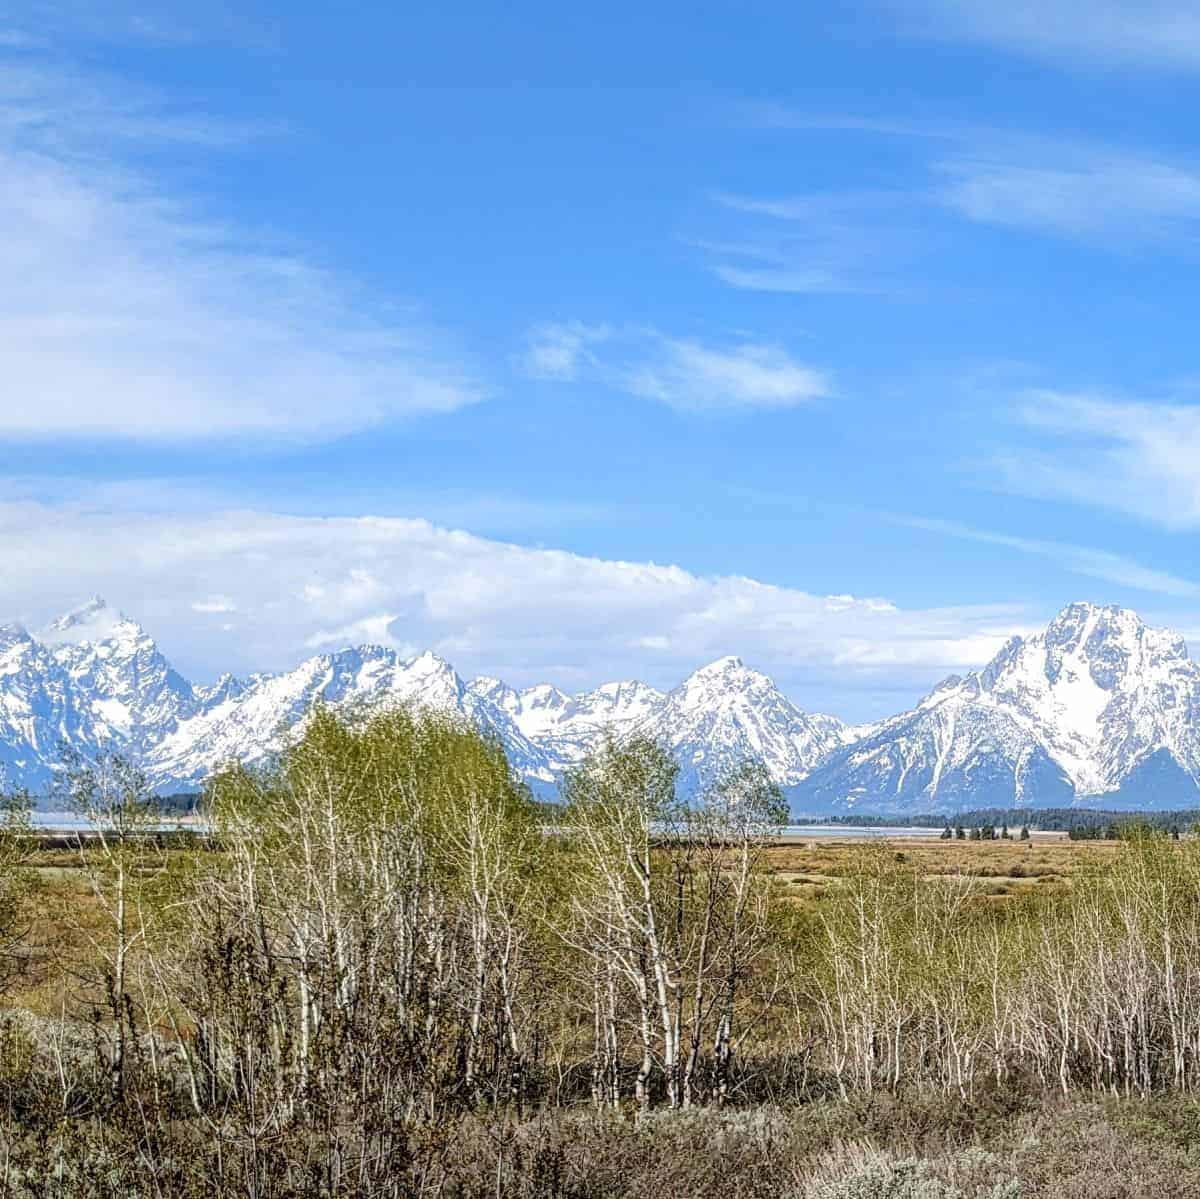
(859, 1173)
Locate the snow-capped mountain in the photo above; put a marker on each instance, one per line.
(127, 690)
(718, 716)
(95, 679)
(37, 710)
(1098, 708)
(565, 726)
(246, 721)
(725, 713)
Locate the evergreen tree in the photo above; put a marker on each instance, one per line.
(1024, 834)
(946, 833)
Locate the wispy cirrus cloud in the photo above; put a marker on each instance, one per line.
(691, 376)
(1080, 560)
(1154, 34)
(1076, 192)
(128, 22)
(951, 177)
(1138, 457)
(127, 312)
(681, 372)
(818, 243)
(559, 351)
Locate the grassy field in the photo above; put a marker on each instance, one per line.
(66, 917)
(1005, 868)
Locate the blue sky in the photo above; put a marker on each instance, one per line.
(847, 340)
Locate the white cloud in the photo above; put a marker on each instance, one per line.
(370, 630)
(214, 605)
(1135, 457)
(1149, 33)
(688, 375)
(300, 584)
(818, 243)
(683, 373)
(785, 280)
(785, 208)
(558, 351)
(128, 22)
(1109, 195)
(124, 312)
(1075, 192)
(653, 642)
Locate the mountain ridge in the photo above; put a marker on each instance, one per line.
(1074, 712)
(1097, 706)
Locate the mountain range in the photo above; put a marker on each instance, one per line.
(1098, 709)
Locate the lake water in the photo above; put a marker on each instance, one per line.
(802, 831)
(71, 822)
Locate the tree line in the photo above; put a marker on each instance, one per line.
(1080, 823)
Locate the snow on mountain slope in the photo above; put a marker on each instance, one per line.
(725, 712)
(93, 679)
(565, 726)
(249, 723)
(1098, 705)
(125, 687)
(536, 711)
(36, 710)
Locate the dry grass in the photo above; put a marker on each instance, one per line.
(67, 919)
(64, 924)
(806, 869)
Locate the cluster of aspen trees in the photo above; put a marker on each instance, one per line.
(929, 982)
(383, 927)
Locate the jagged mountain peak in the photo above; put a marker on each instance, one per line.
(545, 693)
(13, 634)
(1076, 616)
(92, 623)
(1108, 645)
(728, 677)
(1096, 704)
(724, 667)
(428, 660)
(623, 691)
(726, 712)
(228, 686)
(85, 614)
(1084, 627)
